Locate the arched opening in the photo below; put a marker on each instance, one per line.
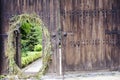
(28, 43)
(25, 37)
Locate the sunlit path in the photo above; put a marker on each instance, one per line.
(34, 67)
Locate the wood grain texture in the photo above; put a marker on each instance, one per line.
(48, 12)
(88, 46)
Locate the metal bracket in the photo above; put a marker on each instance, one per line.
(94, 12)
(4, 35)
(112, 32)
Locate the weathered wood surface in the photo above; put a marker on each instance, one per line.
(48, 11)
(17, 45)
(3, 37)
(88, 46)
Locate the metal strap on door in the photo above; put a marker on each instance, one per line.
(90, 12)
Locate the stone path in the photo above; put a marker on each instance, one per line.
(33, 67)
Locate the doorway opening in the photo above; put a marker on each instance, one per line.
(25, 41)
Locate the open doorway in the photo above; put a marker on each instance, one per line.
(26, 45)
(31, 46)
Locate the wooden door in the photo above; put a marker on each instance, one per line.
(92, 34)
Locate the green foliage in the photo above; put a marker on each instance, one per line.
(38, 47)
(24, 54)
(1, 77)
(31, 34)
(25, 28)
(33, 38)
(31, 56)
(24, 45)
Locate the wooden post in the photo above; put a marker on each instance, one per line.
(3, 38)
(18, 48)
(0, 39)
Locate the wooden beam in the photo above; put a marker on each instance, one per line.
(3, 38)
(18, 48)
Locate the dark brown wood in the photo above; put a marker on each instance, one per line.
(17, 45)
(87, 47)
(3, 36)
(48, 11)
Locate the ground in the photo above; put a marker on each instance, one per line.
(34, 67)
(86, 76)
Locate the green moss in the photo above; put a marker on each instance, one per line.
(2, 76)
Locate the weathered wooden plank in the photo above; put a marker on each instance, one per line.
(47, 9)
(3, 37)
(96, 51)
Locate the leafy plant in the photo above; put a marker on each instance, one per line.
(31, 56)
(31, 35)
(38, 47)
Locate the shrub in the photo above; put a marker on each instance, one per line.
(31, 35)
(24, 54)
(30, 58)
(38, 47)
